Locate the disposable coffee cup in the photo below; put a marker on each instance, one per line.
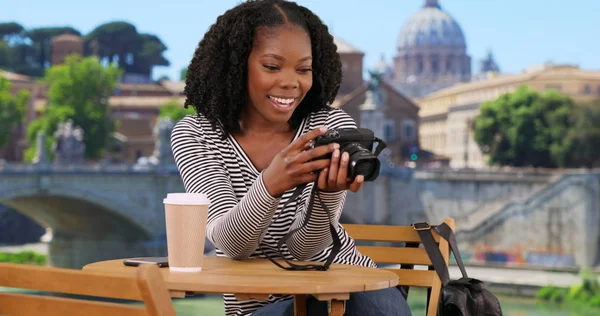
(185, 218)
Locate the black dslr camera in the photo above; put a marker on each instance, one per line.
(358, 143)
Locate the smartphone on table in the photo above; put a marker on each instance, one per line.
(134, 262)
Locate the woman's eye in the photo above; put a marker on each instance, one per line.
(305, 70)
(270, 67)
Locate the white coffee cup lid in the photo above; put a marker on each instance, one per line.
(187, 199)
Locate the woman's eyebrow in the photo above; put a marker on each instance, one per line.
(282, 59)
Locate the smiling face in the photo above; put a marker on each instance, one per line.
(279, 73)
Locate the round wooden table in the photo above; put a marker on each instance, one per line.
(257, 278)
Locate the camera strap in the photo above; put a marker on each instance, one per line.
(337, 244)
(381, 145)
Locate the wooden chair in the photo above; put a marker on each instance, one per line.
(147, 286)
(406, 257)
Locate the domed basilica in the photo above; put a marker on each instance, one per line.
(432, 53)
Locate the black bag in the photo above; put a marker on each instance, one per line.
(465, 296)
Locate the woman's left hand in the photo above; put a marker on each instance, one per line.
(335, 178)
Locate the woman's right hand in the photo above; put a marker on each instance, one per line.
(294, 165)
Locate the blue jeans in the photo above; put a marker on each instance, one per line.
(386, 302)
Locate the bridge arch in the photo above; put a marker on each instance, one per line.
(72, 210)
(86, 226)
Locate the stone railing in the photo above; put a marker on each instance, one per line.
(86, 168)
(478, 225)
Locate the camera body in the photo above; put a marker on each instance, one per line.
(358, 143)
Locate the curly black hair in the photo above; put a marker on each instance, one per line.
(216, 82)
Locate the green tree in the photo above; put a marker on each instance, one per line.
(120, 41)
(12, 110)
(115, 41)
(5, 55)
(78, 90)
(174, 110)
(12, 33)
(15, 53)
(41, 40)
(582, 142)
(22, 60)
(524, 128)
(183, 74)
(150, 55)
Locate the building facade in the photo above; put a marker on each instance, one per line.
(377, 104)
(446, 115)
(432, 53)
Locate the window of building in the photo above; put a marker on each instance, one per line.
(587, 89)
(389, 130)
(433, 38)
(435, 65)
(449, 64)
(409, 130)
(419, 64)
(554, 86)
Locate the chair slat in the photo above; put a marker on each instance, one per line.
(69, 281)
(384, 233)
(154, 291)
(26, 304)
(420, 278)
(399, 255)
(403, 255)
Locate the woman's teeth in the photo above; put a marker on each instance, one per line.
(282, 101)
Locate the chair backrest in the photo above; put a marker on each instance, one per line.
(147, 286)
(406, 257)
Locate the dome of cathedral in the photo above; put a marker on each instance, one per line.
(431, 26)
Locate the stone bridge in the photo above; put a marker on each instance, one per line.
(99, 212)
(94, 212)
(517, 217)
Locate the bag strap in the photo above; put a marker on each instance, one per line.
(424, 230)
(337, 244)
(446, 232)
(433, 251)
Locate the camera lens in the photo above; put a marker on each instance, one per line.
(361, 162)
(365, 167)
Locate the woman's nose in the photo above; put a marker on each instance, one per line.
(289, 80)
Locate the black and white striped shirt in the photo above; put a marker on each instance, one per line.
(243, 214)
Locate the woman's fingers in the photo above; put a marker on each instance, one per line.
(300, 142)
(309, 167)
(334, 167)
(342, 174)
(323, 175)
(357, 183)
(315, 153)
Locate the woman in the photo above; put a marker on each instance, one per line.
(261, 81)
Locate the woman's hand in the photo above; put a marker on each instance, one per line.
(295, 165)
(335, 177)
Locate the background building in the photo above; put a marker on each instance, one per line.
(391, 115)
(447, 114)
(432, 53)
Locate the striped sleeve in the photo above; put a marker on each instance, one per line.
(316, 236)
(234, 228)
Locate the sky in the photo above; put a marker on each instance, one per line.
(520, 33)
